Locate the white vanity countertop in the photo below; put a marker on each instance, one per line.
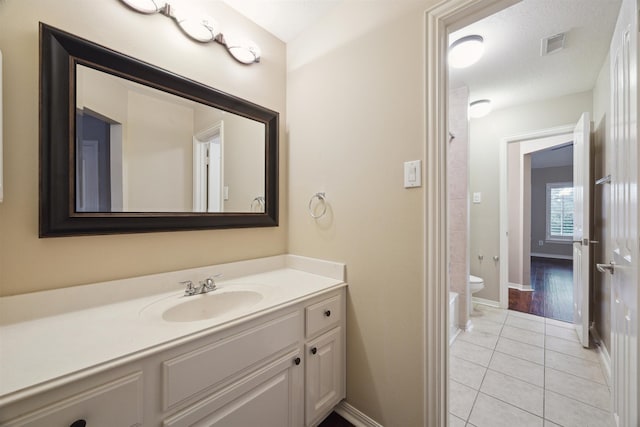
(54, 337)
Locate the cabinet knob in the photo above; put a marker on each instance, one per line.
(327, 313)
(297, 360)
(78, 423)
(314, 350)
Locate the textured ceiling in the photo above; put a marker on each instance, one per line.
(512, 71)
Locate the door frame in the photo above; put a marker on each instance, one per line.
(440, 20)
(538, 140)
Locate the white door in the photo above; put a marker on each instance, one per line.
(581, 229)
(623, 263)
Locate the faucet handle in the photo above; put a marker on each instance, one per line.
(189, 288)
(209, 284)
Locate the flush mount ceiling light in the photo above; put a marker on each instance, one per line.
(479, 108)
(466, 51)
(200, 28)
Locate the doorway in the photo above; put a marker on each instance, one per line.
(440, 22)
(537, 223)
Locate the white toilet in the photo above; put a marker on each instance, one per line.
(475, 283)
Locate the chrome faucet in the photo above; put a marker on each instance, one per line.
(190, 289)
(207, 285)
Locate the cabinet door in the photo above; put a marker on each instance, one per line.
(324, 374)
(270, 397)
(117, 403)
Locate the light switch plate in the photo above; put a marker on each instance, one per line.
(477, 197)
(413, 174)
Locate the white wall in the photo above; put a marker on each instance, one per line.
(486, 134)
(60, 262)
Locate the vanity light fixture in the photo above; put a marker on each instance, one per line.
(199, 27)
(145, 6)
(245, 51)
(479, 108)
(466, 51)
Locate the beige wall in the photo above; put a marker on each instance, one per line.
(486, 135)
(158, 155)
(28, 263)
(601, 200)
(356, 113)
(243, 169)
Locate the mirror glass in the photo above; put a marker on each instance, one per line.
(139, 149)
(128, 147)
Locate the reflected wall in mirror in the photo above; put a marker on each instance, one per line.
(129, 147)
(139, 149)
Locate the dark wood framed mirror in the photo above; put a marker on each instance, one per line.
(127, 147)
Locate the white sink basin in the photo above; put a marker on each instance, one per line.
(210, 305)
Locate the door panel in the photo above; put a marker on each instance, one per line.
(624, 217)
(581, 226)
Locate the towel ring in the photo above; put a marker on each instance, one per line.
(321, 199)
(260, 201)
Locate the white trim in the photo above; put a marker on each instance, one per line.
(519, 287)
(488, 302)
(552, 256)
(200, 181)
(440, 20)
(605, 358)
(504, 206)
(355, 416)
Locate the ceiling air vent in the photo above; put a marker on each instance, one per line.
(552, 44)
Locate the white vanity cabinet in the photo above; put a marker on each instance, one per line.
(109, 402)
(325, 357)
(284, 368)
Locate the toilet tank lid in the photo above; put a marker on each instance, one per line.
(475, 279)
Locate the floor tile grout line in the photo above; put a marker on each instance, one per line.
(576, 376)
(580, 401)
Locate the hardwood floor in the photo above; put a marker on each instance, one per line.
(552, 295)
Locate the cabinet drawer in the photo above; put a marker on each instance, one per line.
(117, 403)
(269, 397)
(201, 369)
(324, 315)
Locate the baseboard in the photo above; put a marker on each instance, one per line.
(453, 337)
(355, 416)
(520, 287)
(552, 256)
(490, 303)
(605, 358)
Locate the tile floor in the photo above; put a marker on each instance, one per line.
(515, 369)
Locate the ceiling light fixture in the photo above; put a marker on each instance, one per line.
(466, 51)
(479, 108)
(200, 28)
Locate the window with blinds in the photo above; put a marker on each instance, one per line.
(560, 211)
